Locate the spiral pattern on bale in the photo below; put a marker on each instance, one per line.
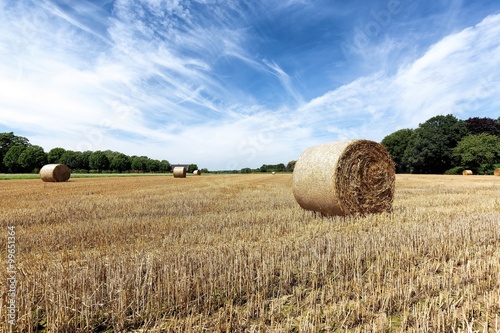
(345, 178)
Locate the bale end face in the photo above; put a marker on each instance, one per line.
(55, 173)
(496, 172)
(345, 178)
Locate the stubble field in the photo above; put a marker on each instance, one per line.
(235, 253)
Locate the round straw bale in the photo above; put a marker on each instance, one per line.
(55, 173)
(345, 178)
(496, 172)
(179, 172)
(467, 172)
(196, 172)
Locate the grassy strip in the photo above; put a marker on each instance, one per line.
(14, 176)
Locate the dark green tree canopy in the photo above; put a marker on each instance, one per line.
(71, 159)
(11, 159)
(8, 140)
(120, 162)
(99, 161)
(32, 159)
(192, 167)
(396, 144)
(431, 144)
(54, 155)
(478, 152)
(291, 165)
(165, 166)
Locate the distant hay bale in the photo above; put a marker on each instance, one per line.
(179, 172)
(467, 172)
(274, 173)
(497, 172)
(55, 173)
(345, 178)
(196, 172)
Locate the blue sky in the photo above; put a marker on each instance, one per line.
(232, 84)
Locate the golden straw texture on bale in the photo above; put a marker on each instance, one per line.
(196, 172)
(497, 172)
(55, 173)
(467, 172)
(179, 172)
(345, 178)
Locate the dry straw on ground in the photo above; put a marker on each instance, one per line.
(497, 172)
(179, 172)
(345, 178)
(467, 172)
(196, 172)
(55, 173)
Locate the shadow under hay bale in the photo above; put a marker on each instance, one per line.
(55, 173)
(345, 178)
(179, 172)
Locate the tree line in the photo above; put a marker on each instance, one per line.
(18, 155)
(446, 144)
(442, 144)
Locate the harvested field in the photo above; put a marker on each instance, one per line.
(237, 253)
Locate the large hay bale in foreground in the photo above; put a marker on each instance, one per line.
(55, 173)
(467, 172)
(496, 172)
(345, 178)
(179, 172)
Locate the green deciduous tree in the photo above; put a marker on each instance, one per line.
(152, 165)
(99, 161)
(396, 144)
(192, 167)
(54, 155)
(71, 159)
(32, 159)
(8, 140)
(120, 162)
(430, 145)
(139, 163)
(165, 166)
(11, 159)
(478, 152)
(84, 160)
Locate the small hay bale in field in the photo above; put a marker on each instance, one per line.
(196, 172)
(345, 178)
(55, 173)
(496, 172)
(179, 172)
(274, 173)
(467, 172)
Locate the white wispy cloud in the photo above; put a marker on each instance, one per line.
(187, 80)
(455, 75)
